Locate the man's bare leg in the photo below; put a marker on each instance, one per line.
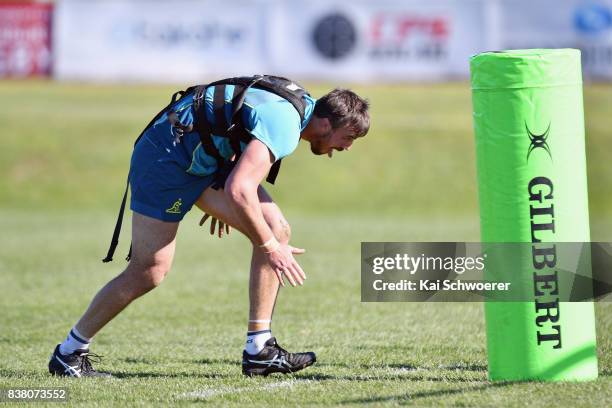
(153, 244)
(263, 283)
(262, 355)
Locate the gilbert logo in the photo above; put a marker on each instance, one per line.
(538, 141)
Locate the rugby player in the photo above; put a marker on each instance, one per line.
(213, 147)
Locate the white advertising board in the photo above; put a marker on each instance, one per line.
(377, 40)
(583, 24)
(193, 41)
(177, 41)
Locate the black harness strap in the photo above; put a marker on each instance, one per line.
(236, 122)
(293, 95)
(203, 126)
(237, 132)
(234, 130)
(273, 172)
(219, 110)
(117, 231)
(237, 99)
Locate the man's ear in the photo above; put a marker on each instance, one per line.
(325, 125)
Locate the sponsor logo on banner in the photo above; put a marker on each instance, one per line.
(25, 39)
(334, 36)
(387, 36)
(189, 41)
(593, 24)
(407, 36)
(592, 18)
(581, 24)
(165, 34)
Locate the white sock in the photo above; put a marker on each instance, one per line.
(74, 341)
(256, 341)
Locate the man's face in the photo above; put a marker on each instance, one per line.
(330, 139)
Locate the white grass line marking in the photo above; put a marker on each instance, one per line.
(402, 370)
(215, 392)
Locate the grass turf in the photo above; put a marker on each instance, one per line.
(64, 157)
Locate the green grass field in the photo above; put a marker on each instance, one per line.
(64, 158)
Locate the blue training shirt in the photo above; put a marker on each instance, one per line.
(266, 116)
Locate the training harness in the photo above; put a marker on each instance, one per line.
(233, 129)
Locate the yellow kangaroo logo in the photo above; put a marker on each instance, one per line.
(176, 207)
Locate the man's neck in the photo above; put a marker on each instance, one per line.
(308, 131)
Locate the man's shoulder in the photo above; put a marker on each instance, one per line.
(276, 111)
(276, 123)
(264, 100)
(265, 104)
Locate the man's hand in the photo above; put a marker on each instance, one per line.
(241, 189)
(213, 223)
(282, 262)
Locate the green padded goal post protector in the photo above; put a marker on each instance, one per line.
(529, 128)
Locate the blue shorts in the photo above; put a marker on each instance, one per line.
(161, 188)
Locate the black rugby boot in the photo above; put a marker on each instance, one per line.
(274, 359)
(77, 364)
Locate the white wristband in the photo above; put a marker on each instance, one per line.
(270, 245)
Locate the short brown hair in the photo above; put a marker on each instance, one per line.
(344, 108)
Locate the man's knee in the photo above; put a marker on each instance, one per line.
(154, 275)
(147, 275)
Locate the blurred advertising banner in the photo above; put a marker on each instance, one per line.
(382, 40)
(177, 41)
(363, 41)
(582, 24)
(25, 39)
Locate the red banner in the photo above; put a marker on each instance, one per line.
(25, 39)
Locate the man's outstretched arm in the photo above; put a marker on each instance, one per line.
(241, 189)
